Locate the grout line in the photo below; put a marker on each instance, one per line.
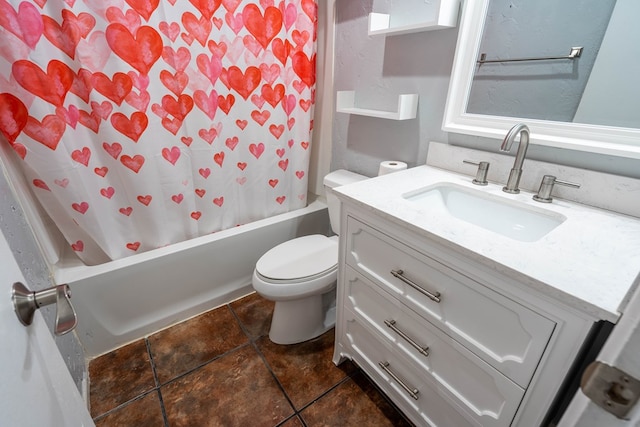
(152, 362)
(275, 377)
(324, 393)
(122, 405)
(242, 326)
(164, 411)
(298, 412)
(295, 415)
(253, 341)
(157, 381)
(190, 371)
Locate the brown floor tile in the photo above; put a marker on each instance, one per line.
(237, 389)
(189, 344)
(119, 376)
(144, 412)
(353, 403)
(255, 314)
(292, 422)
(305, 370)
(234, 390)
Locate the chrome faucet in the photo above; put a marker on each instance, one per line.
(516, 171)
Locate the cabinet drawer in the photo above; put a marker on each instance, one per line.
(429, 408)
(505, 334)
(433, 403)
(471, 382)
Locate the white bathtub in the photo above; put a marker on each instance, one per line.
(127, 299)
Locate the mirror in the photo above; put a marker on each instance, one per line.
(589, 103)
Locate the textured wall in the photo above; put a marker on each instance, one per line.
(380, 68)
(35, 271)
(611, 96)
(546, 90)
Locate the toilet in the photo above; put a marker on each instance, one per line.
(300, 276)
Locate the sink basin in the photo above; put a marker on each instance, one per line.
(509, 218)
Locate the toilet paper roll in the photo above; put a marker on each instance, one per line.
(391, 166)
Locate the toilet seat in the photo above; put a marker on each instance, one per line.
(314, 258)
(327, 273)
(303, 258)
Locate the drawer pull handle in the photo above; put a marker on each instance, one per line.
(392, 325)
(413, 392)
(433, 296)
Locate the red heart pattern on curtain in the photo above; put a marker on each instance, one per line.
(142, 123)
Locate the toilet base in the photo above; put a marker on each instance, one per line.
(303, 319)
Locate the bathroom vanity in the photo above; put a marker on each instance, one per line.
(468, 306)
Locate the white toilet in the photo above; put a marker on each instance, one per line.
(300, 276)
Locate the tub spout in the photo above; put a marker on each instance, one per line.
(516, 171)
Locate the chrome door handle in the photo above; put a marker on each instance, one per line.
(392, 325)
(433, 296)
(26, 302)
(413, 392)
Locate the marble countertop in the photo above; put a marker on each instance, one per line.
(590, 262)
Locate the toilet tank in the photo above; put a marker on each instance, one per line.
(333, 180)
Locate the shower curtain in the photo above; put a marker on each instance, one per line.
(141, 123)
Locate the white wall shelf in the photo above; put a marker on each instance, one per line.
(407, 107)
(446, 16)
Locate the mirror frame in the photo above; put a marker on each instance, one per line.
(609, 140)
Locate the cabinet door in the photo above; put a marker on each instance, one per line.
(505, 334)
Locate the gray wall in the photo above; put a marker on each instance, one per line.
(545, 90)
(608, 98)
(379, 68)
(32, 264)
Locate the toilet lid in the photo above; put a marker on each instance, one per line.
(301, 257)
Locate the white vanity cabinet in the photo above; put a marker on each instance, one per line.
(451, 342)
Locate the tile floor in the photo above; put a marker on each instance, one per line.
(220, 369)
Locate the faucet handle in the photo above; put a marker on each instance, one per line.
(546, 187)
(481, 174)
